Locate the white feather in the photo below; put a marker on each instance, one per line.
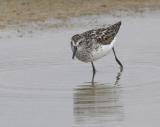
(103, 51)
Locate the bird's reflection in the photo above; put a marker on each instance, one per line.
(118, 77)
(116, 80)
(98, 103)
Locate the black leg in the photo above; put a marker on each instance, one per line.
(121, 66)
(94, 71)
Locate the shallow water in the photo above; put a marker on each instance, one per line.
(41, 86)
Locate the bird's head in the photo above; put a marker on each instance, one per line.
(76, 42)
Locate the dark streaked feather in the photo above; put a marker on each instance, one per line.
(102, 35)
(76, 37)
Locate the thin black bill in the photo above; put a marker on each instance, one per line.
(74, 52)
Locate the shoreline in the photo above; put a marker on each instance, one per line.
(17, 12)
(82, 23)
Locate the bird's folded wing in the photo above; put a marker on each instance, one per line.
(106, 35)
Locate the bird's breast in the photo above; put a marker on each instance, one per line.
(93, 52)
(100, 52)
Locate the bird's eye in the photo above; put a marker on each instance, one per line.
(80, 42)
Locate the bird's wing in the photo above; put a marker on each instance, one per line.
(106, 35)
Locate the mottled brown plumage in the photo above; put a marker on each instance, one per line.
(102, 35)
(95, 44)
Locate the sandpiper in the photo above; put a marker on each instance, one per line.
(94, 44)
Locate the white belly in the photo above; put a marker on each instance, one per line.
(104, 50)
(94, 54)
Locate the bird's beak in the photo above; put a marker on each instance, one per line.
(74, 51)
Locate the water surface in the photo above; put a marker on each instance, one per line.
(41, 86)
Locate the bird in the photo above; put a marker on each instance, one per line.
(94, 44)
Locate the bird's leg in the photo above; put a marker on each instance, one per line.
(117, 60)
(94, 71)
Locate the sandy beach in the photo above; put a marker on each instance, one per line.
(16, 12)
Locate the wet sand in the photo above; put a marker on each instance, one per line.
(17, 12)
(40, 85)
